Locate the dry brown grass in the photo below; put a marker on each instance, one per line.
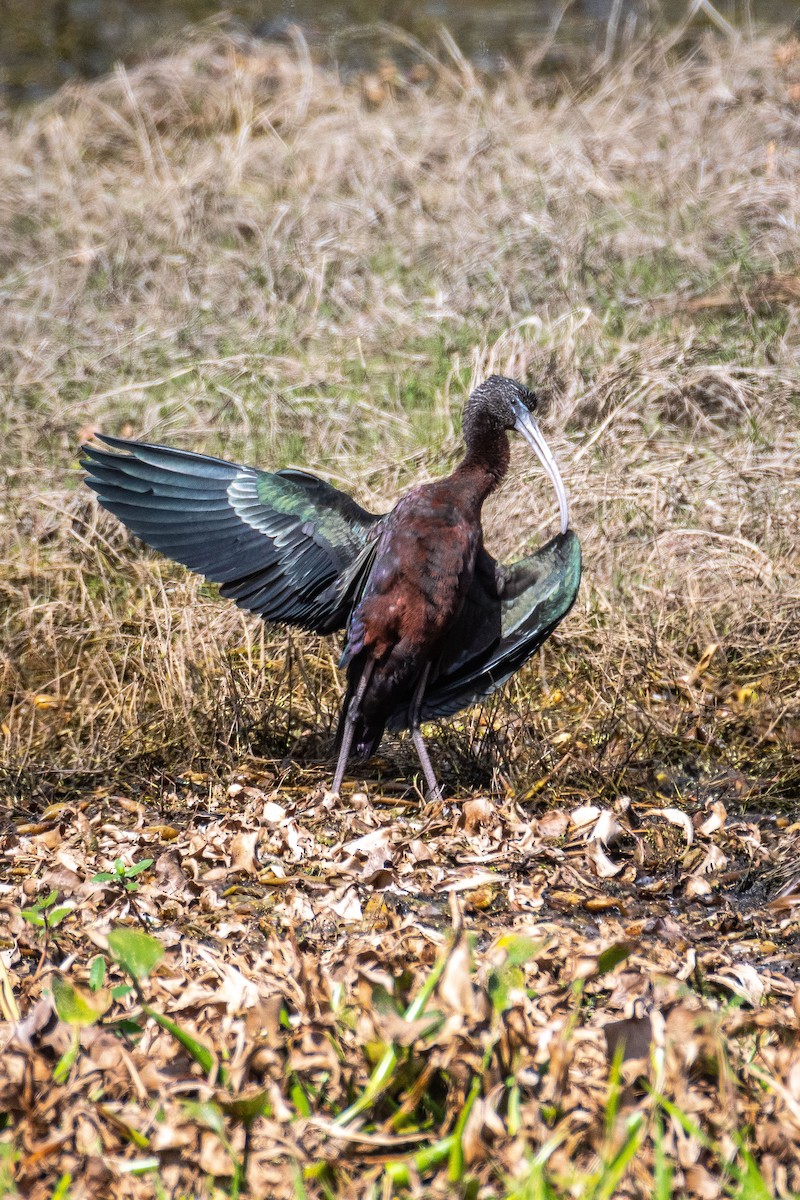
(235, 251)
(230, 249)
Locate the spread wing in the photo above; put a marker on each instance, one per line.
(282, 544)
(493, 637)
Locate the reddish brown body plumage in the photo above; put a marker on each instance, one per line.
(422, 571)
(424, 564)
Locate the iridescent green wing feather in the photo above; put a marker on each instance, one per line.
(493, 637)
(282, 544)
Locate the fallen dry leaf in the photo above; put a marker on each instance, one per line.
(677, 816)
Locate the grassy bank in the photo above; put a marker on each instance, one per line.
(235, 251)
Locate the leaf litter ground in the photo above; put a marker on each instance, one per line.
(609, 978)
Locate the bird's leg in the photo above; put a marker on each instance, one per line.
(349, 726)
(434, 791)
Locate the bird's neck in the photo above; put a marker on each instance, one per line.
(485, 463)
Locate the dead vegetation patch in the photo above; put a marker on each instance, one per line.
(234, 250)
(331, 987)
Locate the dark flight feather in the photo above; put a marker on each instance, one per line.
(278, 542)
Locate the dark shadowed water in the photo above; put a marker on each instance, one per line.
(44, 43)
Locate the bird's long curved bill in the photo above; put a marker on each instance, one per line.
(529, 428)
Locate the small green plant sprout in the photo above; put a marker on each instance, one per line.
(124, 877)
(78, 1010)
(46, 914)
(508, 975)
(97, 973)
(138, 954)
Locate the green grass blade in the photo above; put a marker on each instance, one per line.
(385, 1069)
(200, 1053)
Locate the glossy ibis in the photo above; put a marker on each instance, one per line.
(433, 621)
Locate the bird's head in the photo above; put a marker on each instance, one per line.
(504, 404)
